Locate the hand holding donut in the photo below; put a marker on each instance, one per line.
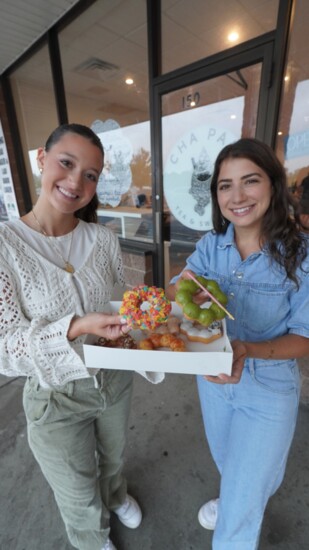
(189, 297)
(101, 324)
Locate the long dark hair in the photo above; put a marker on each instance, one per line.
(280, 229)
(89, 212)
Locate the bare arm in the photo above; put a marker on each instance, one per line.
(289, 346)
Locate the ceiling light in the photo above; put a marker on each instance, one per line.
(286, 78)
(233, 36)
(129, 81)
(192, 104)
(233, 117)
(279, 133)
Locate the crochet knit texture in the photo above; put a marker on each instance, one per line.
(38, 301)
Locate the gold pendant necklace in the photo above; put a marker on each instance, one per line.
(67, 265)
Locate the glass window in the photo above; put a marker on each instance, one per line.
(199, 28)
(34, 101)
(198, 121)
(293, 129)
(105, 66)
(8, 203)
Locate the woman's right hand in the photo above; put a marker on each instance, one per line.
(101, 324)
(240, 353)
(200, 297)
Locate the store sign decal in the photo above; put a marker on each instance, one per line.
(187, 175)
(116, 178)
(297, 145)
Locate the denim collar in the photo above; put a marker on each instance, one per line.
(228, 239)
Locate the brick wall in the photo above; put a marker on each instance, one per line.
(137, 271)
(137, 268)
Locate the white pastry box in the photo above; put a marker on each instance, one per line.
(213, 358)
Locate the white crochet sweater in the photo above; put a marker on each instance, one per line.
(38, 301)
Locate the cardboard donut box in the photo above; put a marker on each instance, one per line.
(213, 358)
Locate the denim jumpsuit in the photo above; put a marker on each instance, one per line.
(250, 425)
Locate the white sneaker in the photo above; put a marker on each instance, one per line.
(109, 545)
(129, 513)
(208, 514)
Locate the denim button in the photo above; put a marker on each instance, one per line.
(239, 275)
(232, 294)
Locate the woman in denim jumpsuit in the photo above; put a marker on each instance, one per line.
(260, 260)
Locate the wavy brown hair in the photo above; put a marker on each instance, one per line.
(280, 230)
(89, 212)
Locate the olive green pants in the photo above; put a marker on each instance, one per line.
(77, 434)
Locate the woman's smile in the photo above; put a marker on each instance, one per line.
(240, 212)
(67, 193)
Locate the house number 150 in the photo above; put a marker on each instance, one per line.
(190, 100)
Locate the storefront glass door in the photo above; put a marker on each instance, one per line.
(197, 122)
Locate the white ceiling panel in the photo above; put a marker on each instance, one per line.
(23, 22)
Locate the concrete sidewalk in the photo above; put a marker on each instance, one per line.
(169, 470)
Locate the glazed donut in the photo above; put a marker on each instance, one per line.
(150, 318)
(197, 333)
(192, 311)
(156, 340)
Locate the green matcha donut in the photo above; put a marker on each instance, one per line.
(205, 316)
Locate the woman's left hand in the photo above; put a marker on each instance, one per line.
(239, 356)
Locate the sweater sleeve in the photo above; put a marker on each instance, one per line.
(35, 348)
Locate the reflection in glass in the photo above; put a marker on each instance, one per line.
(105, 66)
(35, 106)
(293, 130)
(197, 29)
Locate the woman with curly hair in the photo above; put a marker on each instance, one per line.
(259, 257)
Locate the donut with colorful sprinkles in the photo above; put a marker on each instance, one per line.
(149, 318)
